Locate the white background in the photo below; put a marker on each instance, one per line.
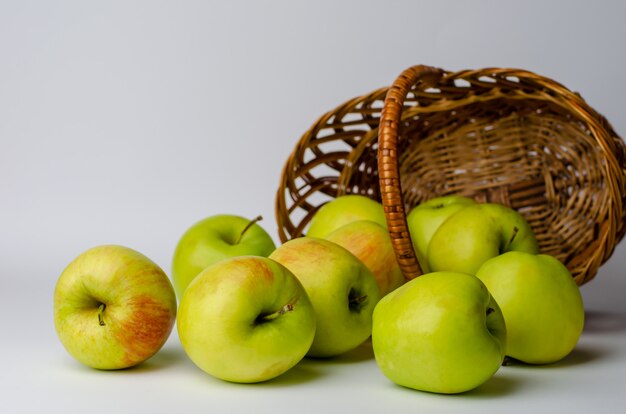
(125, 122)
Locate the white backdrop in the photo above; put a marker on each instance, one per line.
(126, 121)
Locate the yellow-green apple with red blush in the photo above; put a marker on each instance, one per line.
(370, 243)
(425, 218)
(113, 307)
(441, 332)
(342, 290)
(541, 303)
(213, 239)
(343, 210)
(475, 234)
(246, 319)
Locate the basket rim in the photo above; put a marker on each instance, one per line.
(388, 162)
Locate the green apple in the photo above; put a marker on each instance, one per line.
(213, 239)
(113, 307)
(475, 234)
(370, 243)
(541, 303)
(441, 332)
(343, 210)
(246, 319)
(342, 290)
(424, 219)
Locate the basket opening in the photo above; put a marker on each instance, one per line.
(528, 154)
(499, 135)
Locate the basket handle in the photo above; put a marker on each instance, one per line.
(388, 169)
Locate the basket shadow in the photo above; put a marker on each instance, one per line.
(604, 322)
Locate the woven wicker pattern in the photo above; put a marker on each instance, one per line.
(498, 135)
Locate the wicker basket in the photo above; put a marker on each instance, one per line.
(497, 135)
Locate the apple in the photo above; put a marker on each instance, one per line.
(541, 303)
(341, 288)
(245, 319)
(213, 239)
(343, 210)
(113, 307)
(440, 332)
(370, 243)
(424, 219)
(475, 234)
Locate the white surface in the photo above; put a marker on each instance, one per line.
(125, 122)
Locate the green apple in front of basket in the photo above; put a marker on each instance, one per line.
(441, 332)
(213, 239)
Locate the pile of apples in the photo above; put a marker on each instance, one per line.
(249, 311)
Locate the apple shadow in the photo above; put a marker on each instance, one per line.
(579, 356)
(361, 353)
(497, 386)
(597, 322)
(163, 359)
(301, 373)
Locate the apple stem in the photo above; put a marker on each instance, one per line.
(515, 230)
(490, 310)
(250, 224)
(355, 302)
(270, 316)
(101, 309)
